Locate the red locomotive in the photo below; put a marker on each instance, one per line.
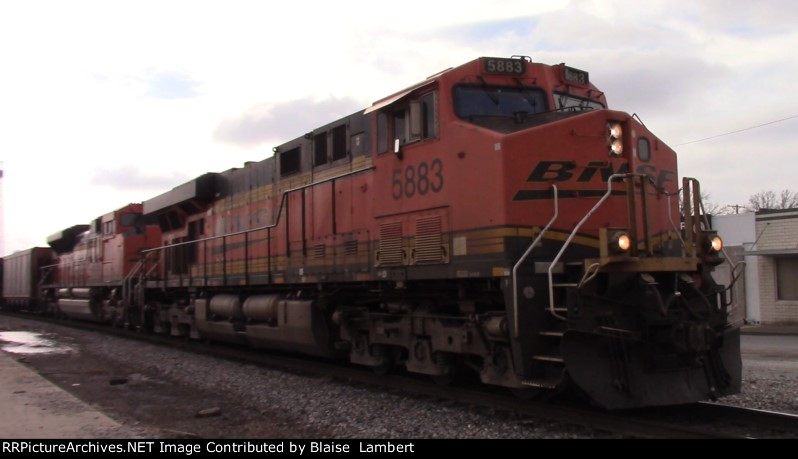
(92, 279)
(496, 217)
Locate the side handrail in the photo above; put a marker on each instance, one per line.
(516, 328)
(45, 273)
(734, 275)
(127, 282)
(260, 228)
(71, 266)
(573, 234)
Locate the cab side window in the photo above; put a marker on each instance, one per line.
(412, 121)
(382, 133)
(400, 126)
(320, 149)
(430, 118)
(339, 142)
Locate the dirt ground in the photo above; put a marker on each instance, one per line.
(163, 408)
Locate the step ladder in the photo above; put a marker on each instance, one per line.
(516, 326)
(550, 365)
(592, 271)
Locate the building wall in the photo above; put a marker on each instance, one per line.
(735, 230)
(777, 232)
(739, 236)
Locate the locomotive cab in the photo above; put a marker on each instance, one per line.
(514, 171)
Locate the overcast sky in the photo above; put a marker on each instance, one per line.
(108, 102)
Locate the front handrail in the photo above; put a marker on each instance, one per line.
(734, 275)
(516, 327)
(573, 234)
(673, 225)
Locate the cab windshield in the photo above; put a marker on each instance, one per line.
(570, 102)
(514, 108)
(491, 101)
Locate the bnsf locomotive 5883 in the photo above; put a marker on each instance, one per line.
(496, 217)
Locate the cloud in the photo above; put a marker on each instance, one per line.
(170, 85)
(487, 30)
(656, 81)
(283, 121)
(749, 19)
(127, 177)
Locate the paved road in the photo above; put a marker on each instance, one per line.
(33, 407)
(770, 351)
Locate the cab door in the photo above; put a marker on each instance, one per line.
(411, 208)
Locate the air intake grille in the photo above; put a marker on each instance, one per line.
(428, 240)
(391, 244)
(350, 247)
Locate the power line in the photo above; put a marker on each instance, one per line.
(735, 132)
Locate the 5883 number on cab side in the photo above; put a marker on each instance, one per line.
(417, 179)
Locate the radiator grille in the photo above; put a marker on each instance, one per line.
(350, 247)
(428, 240)
(391, 244)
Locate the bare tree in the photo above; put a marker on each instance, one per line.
(770, 200)
(711, 207)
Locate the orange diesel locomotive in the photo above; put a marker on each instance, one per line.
(91, 278)
(496, 217)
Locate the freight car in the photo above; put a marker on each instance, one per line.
(496, 217)
(22, 276)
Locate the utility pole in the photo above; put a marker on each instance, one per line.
(736, 207)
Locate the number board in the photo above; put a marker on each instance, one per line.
(504, 66)
(574, 75)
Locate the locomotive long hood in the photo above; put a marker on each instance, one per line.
(64, 241)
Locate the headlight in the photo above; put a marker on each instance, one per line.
(615, 130)
(615, 139)
(620, 242)
(712, 243)
(616, 148)
(716, 243)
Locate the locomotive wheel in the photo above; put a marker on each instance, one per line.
(447, 362)
(387, 359)
(383, 369)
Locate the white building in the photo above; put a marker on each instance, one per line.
(768, 243)
(739, 238)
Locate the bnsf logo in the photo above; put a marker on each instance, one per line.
(562, 171)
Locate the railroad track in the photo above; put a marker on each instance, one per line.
(779, 422)
(701, 420)
(741, 421)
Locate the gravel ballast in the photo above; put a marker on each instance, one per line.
(183, 394)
